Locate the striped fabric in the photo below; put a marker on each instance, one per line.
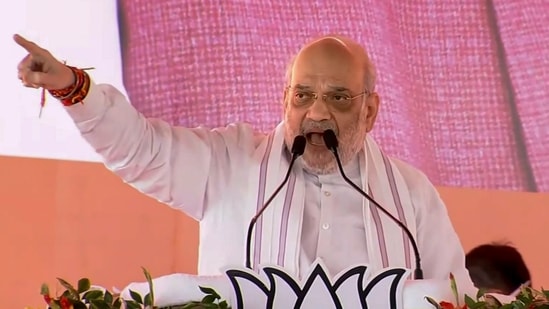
(463, 84)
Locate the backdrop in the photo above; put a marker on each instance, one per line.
(463, 84)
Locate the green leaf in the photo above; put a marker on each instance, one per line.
(117, 304)
(130, 304)
(92, 295)
(66, 284)
(433, 302)
(148, 300)
(79, 305)
(473, 304)
(525, 296)
(469, 301)
(136, 297)
(44, 289)
(69, 287)
(99, 304)
(149, 281)
(83, 285)
(453, 285)
(209, 291)
(108, 297)
(69, 295)
(223, 305)
(480, 293)
(209, 299)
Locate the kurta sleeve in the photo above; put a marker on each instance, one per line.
(440, 248)
(438, 243)
(174, 165)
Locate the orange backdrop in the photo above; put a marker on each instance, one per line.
(74, 219)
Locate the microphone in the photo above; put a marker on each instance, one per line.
(298, 147)
(332, 143)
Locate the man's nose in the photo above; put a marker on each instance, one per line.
(319, 110)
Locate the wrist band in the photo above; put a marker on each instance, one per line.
(76, 92)
(73, 94)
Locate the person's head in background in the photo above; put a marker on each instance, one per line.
(497, 268)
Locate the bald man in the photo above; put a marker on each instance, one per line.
(221, 177)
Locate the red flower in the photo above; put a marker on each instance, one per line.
(47, 298)
(65, 303)
(447, 305)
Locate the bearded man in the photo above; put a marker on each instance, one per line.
(221, 177)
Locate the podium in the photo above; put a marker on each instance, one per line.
(273, 287)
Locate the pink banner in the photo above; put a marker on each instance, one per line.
(463, 84)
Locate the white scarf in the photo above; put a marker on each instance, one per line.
(277, 235)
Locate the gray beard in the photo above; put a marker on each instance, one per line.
(331, 167)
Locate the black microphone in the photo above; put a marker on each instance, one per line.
(298, 147)
(331, 142)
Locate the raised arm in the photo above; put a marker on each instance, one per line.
(174, 165)
(170, 164)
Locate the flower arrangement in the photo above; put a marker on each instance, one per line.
(84, 296)
(528, 298)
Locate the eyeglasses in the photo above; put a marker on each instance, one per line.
(302, 97)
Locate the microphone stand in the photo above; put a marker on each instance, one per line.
(332, 144)
(298, 148)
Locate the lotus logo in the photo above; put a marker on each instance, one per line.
(351, 289)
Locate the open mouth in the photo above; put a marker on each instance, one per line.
(315, 138)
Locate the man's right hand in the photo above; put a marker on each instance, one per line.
(40, 69)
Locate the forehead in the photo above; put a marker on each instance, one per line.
(327, 63)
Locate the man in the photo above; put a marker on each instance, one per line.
(221, 177)
(498, 268)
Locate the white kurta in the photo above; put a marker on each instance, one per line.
(214, 176)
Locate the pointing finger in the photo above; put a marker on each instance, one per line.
(29, 46)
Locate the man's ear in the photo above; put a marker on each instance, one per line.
(371, 109)
(285, 99)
